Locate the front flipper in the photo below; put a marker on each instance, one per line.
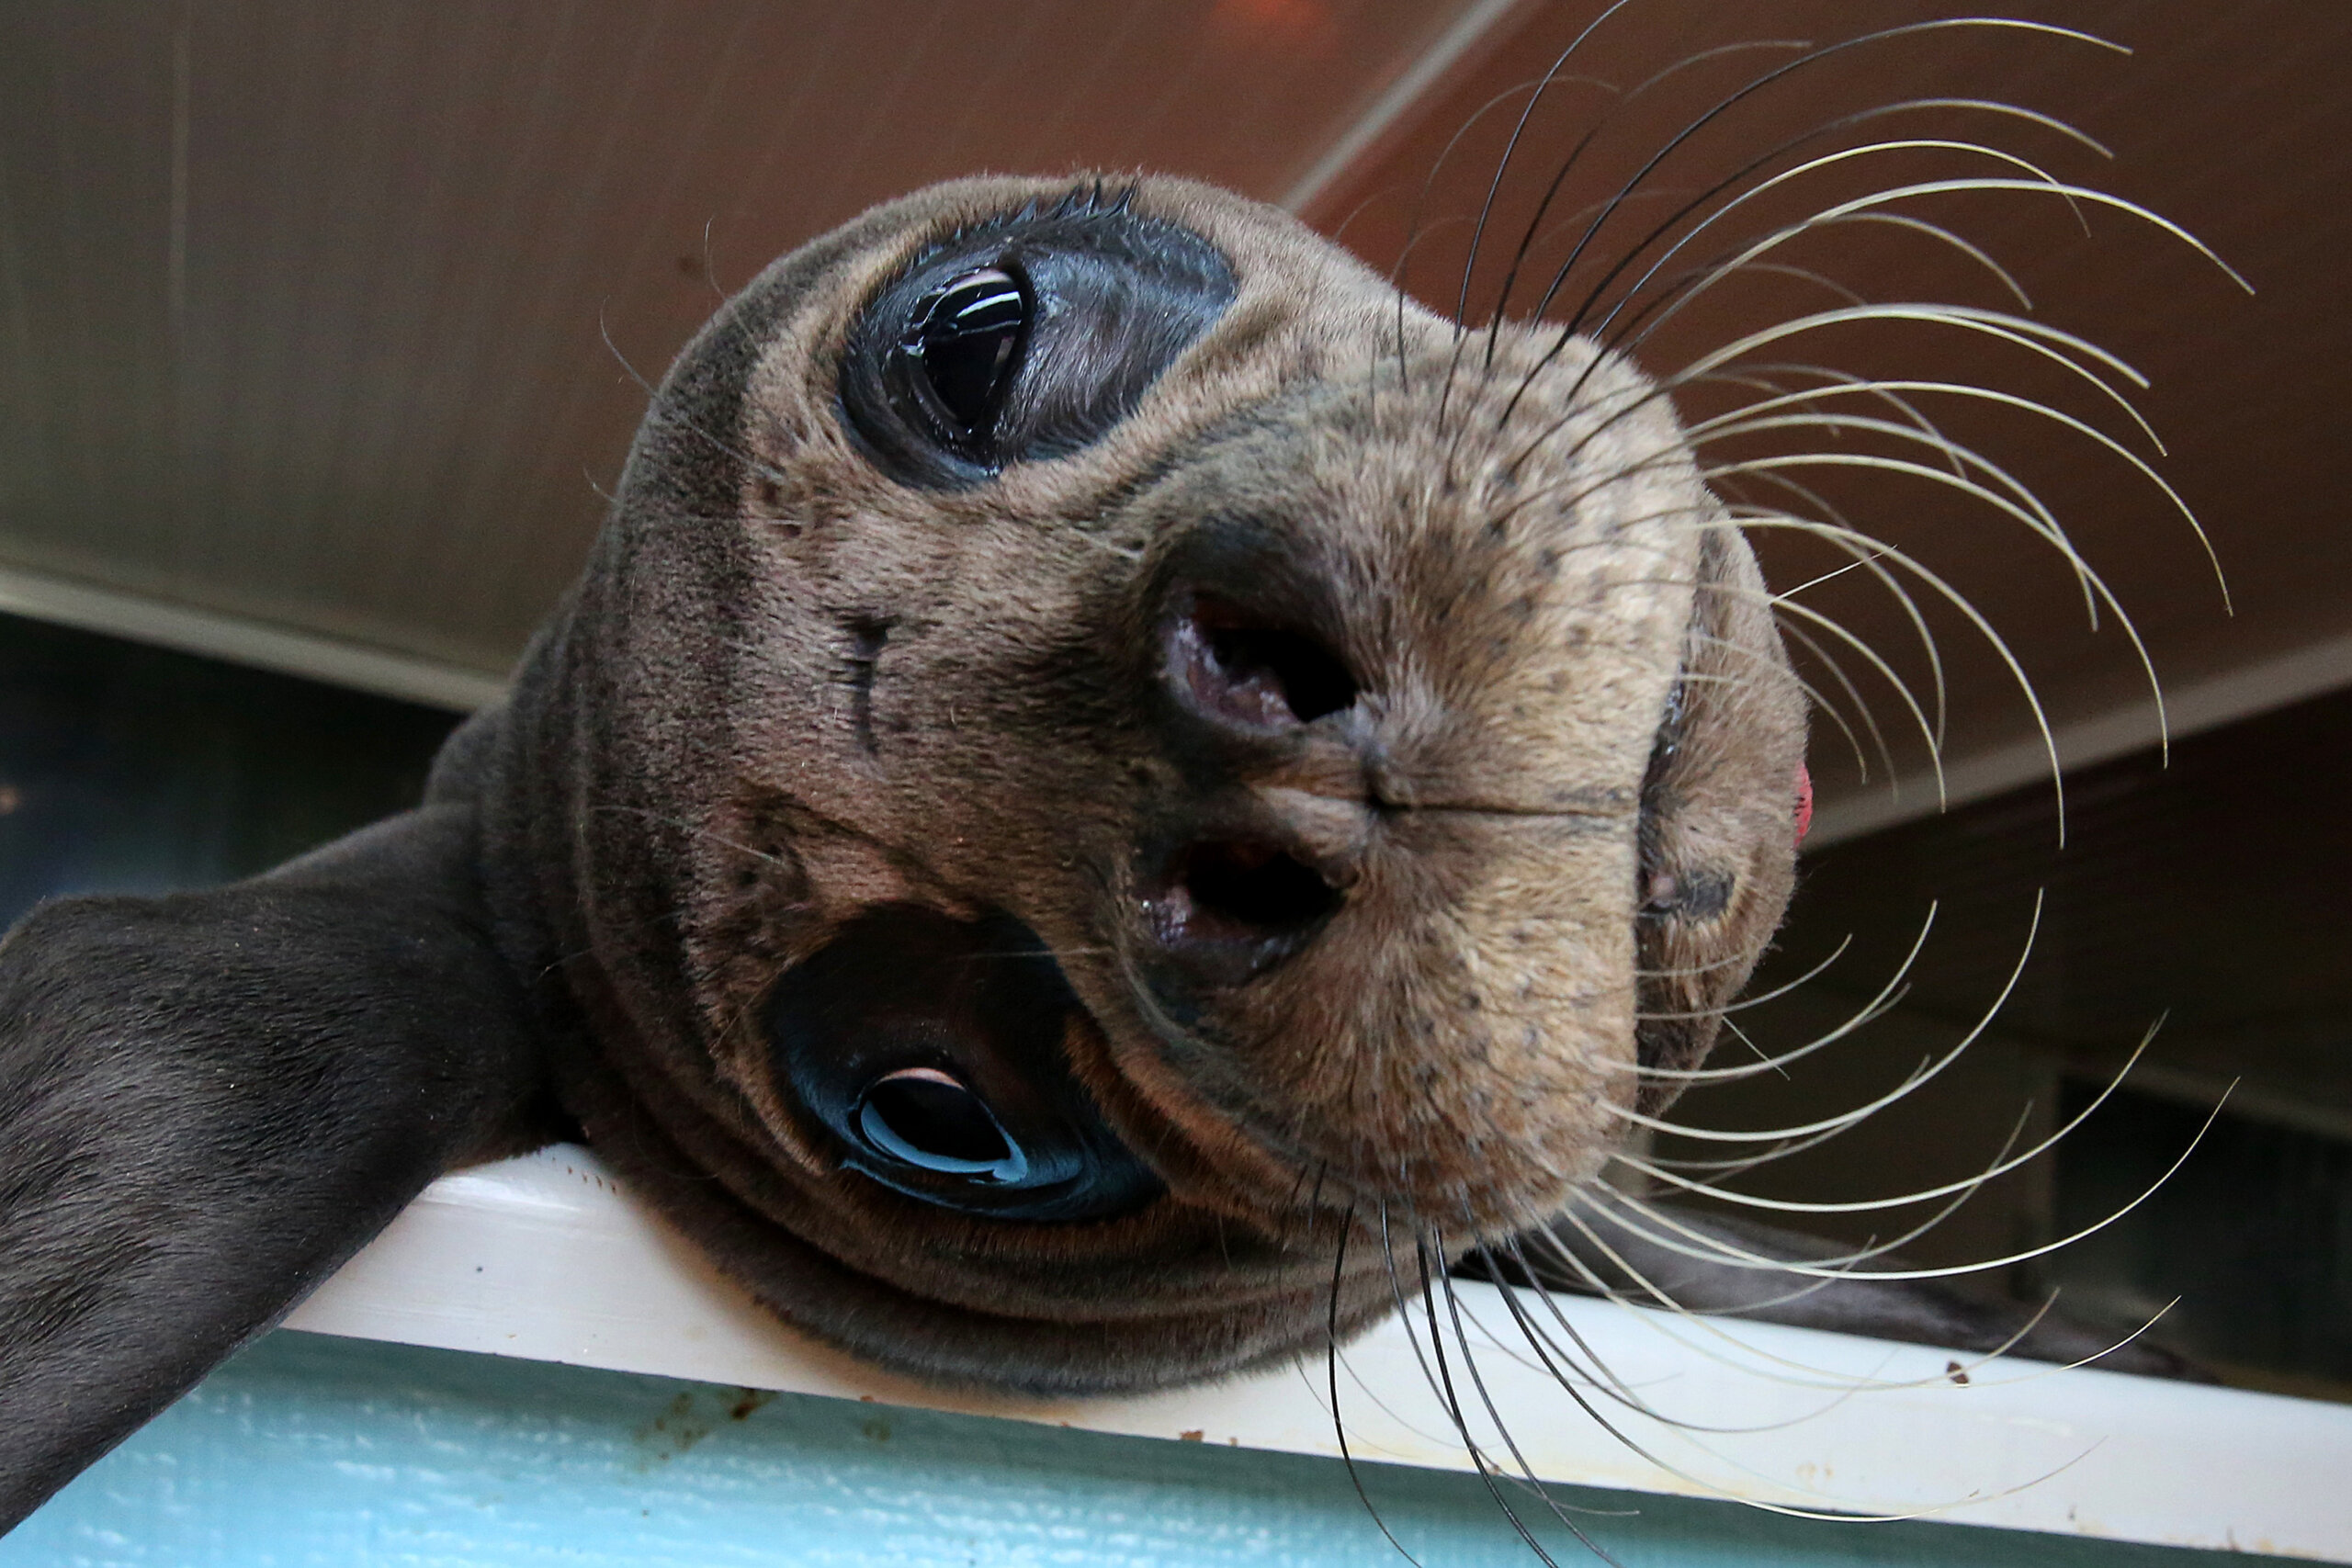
(209, 1101)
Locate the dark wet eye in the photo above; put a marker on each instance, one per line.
(1025, 337)
(966, 342)
(928, 1119)
(933, 1050)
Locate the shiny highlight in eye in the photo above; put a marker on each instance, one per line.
(925, 1118)
(966, 341)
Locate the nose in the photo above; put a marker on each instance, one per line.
(1254, 856)
(1243, 667)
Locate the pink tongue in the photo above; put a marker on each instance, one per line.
(1804, 802)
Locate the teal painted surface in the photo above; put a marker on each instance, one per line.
(308, 1451)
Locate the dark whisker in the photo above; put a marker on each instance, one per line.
(1626, 259)
(1432, 1259)
(1731, 100)
(1559, 177)
(1331, 1376)
(1480, 1463)
(1510, 149)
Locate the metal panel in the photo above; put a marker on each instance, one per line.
(333, 318)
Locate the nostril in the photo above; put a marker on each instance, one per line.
(1240, 888)
(1242, 667)
(926, 1119)
(1310, 682)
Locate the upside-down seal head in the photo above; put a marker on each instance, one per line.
(1101, 750)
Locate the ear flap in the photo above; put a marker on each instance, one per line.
(209, 1101)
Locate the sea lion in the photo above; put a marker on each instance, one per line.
(1099, 754)
(1114, 794)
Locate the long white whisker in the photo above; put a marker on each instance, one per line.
(1754, 86)
(1763, 996)
(1850, 1118)
(1826, 216)
(1871, 557)
(2011, 400)
(1868, 1010)
(1876, 661)
(1810, 1376)
(1985, 629)
(1965, 1187)
(1829, 662)
(2009, 1260)
(1748, 422)
(2035, 337)
(2097, 583)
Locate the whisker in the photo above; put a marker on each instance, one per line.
(1841, 1386)
(1821, 703)
(2024, 1255)
(665, 417)
(2001, 1167)
(1762, 998)
(1331, 1371)
(1958, 1194)
(1607, 1382)
(2097, 583)
(2048, 343)
(1441, 1384)
(1985, 629)
(1867, 1012)
(1825, 218)
(1616, 1431)
(1477, 1380)
(1851, 1118)
(1510, 150)
(1870, 655)
(2010, 399)
(1871, 558)
(2044, 522)
(1752, 1357)
(1721, 106)
(1567, 165)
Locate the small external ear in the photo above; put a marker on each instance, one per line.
(209, 1101)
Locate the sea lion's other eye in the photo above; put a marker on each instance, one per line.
(966, 339)
(931, 1053)
(925, 1118)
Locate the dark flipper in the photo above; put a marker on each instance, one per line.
(1920, 1311)
(209, 1101)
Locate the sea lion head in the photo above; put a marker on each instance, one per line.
(1102, 751)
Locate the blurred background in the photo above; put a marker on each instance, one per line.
(323, 330)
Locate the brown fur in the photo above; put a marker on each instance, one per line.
(689, 792)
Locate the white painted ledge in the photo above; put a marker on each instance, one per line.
(547, 1258)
